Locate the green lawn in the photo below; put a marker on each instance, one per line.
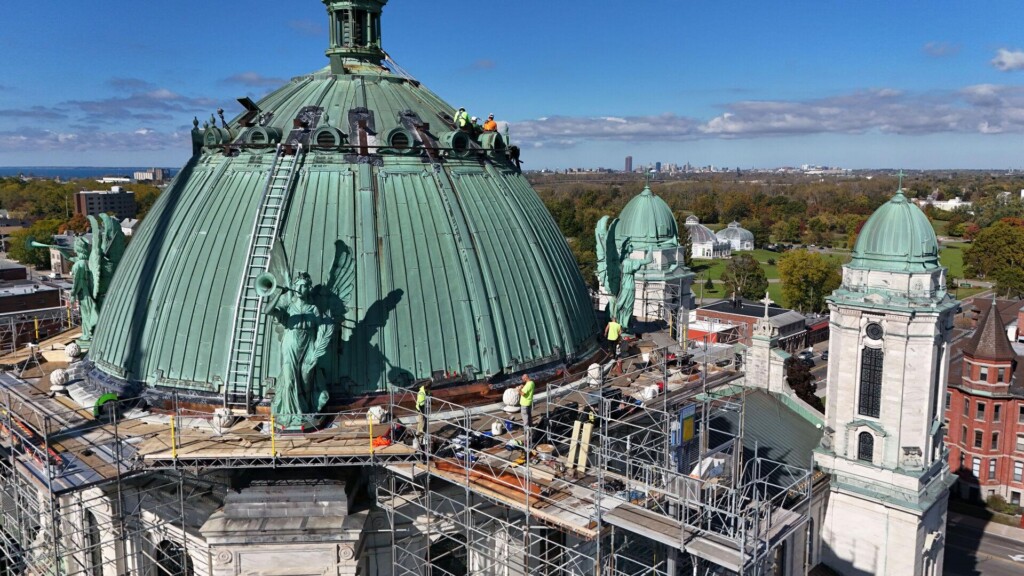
(952, 256)
(775, 291)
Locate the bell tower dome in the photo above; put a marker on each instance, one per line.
(890, 330)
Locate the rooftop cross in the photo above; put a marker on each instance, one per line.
(767, 301)
(901, 181)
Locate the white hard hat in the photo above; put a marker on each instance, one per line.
(475, 118)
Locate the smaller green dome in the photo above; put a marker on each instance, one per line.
(898, 237)
(648, 222)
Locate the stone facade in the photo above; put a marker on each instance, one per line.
(890, 330)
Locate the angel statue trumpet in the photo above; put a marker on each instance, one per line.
(93, 268)
(308, 316)
(616, 271)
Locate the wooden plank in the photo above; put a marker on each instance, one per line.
(570, 457)
(588, 429)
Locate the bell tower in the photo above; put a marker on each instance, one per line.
(354, 32)
(889, 354)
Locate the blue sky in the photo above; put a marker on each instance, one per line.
(912, 84)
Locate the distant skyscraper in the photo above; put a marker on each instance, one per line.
(657, 166)
(629, 164)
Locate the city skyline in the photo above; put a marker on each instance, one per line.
(748, 85)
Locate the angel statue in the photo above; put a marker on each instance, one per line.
(308, 315)
(93, 266)
(616, 270)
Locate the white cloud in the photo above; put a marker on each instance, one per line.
(1009, 60)
(977, 109)
(941, 49)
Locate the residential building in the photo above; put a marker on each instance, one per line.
(117, 201)
(984, 407)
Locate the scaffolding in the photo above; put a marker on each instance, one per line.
(73, 500)
(638, 470)
(20, 328)
(644, 473)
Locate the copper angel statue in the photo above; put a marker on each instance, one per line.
(308, 315)
(93, 268)
(616, 271)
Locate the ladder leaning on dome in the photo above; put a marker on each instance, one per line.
(246, 343)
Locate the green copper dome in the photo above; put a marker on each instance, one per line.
(457, 267)
(648, 222)
(897, 238)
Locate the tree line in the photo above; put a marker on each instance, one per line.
(47, 207)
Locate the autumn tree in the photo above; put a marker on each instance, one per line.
(802, 382)
(998, 254)
(807, 279)
(18, 243)
(78, 224)
(745, 277)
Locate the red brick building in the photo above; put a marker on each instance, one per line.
(791, 325)
(985, 409)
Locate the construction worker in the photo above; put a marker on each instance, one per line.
(612, 332)
(525, 391)
(474, 129)
(462, 120)
(490, 125)
(422, 408)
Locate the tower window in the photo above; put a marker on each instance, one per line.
(949, 397)
(979, 411)
(997, 412)
(865, 447)
(983, 373)
(979, 439)
(870, 383)
(1018, 471)
(995, 441)
(976, 467)
(992, 469)
(967, 407)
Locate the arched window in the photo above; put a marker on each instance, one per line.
(870, 401)
(173, 560)
(93, 545)
(865, 446)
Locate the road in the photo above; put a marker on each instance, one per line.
(971, 552)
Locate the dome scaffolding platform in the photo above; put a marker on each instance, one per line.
(631, 473)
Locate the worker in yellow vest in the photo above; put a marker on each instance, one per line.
(422, 408)
(613, 345)
(526, 400)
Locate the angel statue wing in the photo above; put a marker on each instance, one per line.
(608, 259)
(333, 296)
(280, 267)
(114, 240)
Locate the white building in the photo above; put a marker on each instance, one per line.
(739, 238)
(705, 244)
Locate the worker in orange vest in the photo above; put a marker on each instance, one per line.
(490, 125)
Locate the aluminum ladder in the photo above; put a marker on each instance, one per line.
(246, 345)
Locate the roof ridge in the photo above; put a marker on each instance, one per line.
(990, 341)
